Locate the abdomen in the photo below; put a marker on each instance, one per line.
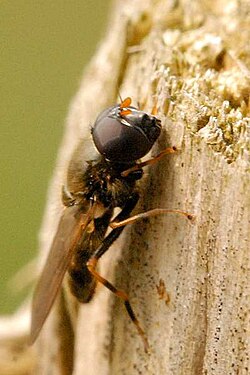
(81, 282)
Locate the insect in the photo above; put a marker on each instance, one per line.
(100, 178)
(162, 292)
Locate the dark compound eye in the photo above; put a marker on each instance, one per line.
(125, 138)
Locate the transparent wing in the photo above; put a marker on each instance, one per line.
(70, 229)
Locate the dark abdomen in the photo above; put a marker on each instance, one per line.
(81, 282)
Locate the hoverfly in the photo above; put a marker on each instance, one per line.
(99, 179)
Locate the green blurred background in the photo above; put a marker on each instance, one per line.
(44, 47)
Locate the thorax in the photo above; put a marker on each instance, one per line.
(97, 179)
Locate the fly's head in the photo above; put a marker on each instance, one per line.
(124, 134)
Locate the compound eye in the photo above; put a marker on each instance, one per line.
(124, 138)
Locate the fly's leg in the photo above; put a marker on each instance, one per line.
(157, 211)
(169, 150)
(119, 293)
(143, 215)
(107, 242)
